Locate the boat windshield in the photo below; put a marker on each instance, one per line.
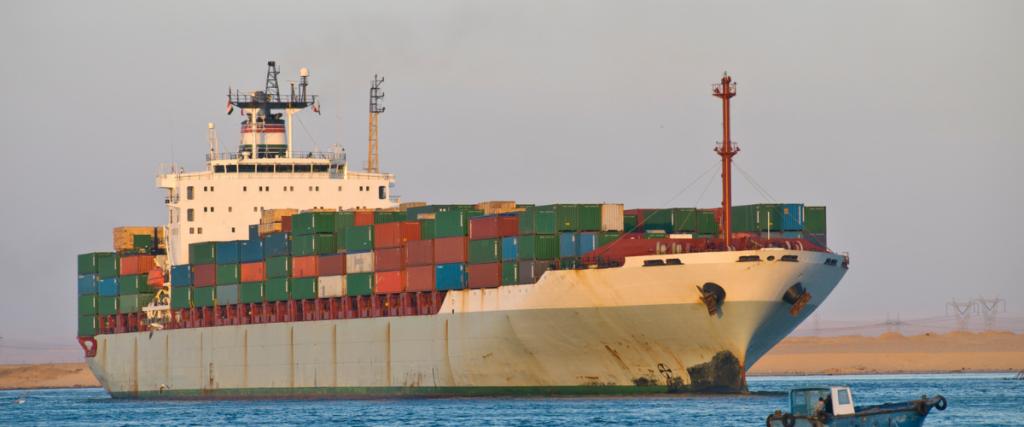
(803, 401)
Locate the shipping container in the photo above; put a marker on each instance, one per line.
(818, 239)
(706, 222)
(359, 238)
(484, 275)
(792, 217)
(278, 289)
(419, 252)
(202, 253)
(359, 284)
(314, 244)
(590, 217)
(814, 219)
(274, 227)
(251, 250)
(108, 305)
(404, 207)
(254, 272)
(279, 266)
(607, 237)
(109, 267)
(629, 223)
(254, 232)
(228, 274)
(88, 305)
(204, 275)
(250, 293)
(133, 303)
(658, 219)
(426, 229)
(142, 241)
(484, 251)
(387, 217)
(684, 219)
(390, 259)
(181, 297)
(135, 284)
(395, 234)
(330, 286)
(304, 266)
(538, 246)
(449, 277)
(90, 263)
(586, 243)
(454, 223)
(228, 252)
(567, 217)
(88, 284)
(313, 222)
(125, 237)
(359, 262)
(270, 216)
(414, 212)
(331, 265)
(109, 286)
(344, 220)
(87, 326)
(136, 264)
(277, 244)
(510, 273)
(611, 217)
(419, 278)
(510, 248)
(483, 227)
(449, 250)
(568, 245)
(181, 275)
(530, 271)
(389, 282)
(304, 288)
(362, 218)
(204, 297)
(286, 224)
(228, 295)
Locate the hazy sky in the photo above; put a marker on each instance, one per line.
(904, 118)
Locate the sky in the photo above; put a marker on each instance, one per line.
(903, 118)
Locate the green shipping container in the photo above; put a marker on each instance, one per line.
(204, 296)
(227, 295)
(537, 221)
(814, 220)
(607, 237)
(134, 303)
(538, 246)
(387, 217)
(658, 219)
(250, 293)
(202, 253)
(135, 284)
(684, 219)
(359, 238)
(510, 273)
(339, 238)
(304, 288)
(360, 284)
(706, 223)
(279, 266)
(590, 217)
(426, 229)
(109, 267)
(344, 219)
(108, 306)
(314, 244)
(567, 217)
(463, 207)
(142, 241)
(181, 297)
(229, 274)
(484, 251)
(87, 326)
(754, 218)
(413, 213)
(453, 223)
(629, 223)
(278, 289)
(90, 263)
(313, 222)
(88, 305)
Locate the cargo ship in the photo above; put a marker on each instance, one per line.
(284, 274)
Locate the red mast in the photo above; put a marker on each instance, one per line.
(726, 149)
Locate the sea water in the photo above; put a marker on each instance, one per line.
(974, 399)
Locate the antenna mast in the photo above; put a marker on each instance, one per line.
(726, 148)
(375, 109)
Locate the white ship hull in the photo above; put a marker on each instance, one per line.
(616, 330)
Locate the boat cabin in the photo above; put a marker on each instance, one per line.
(837, 400)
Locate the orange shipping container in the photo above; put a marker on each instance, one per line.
(419, 279)
(253, 272)
(450, 250)
(389, 282)
(137, 264)
(389, 259)
(419, 252)
(395, 234)
(484, 275)
(304, 266)
(363, 218)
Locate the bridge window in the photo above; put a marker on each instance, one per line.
(264, 168)
(303, 168)
(284, 168)
(218, 169)
(246, 168)
(191, 215)
(190, 193)
(382, 192)
(321, 168)
(232, 168)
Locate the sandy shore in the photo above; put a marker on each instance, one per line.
(46, 376)
(894, 353)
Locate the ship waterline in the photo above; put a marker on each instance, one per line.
(631, 329)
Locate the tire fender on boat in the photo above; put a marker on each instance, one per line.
(940, 404)
(922, 408)
(788, 420)
(823, 418)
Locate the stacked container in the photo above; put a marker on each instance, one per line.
(389, 244)
(88, 292)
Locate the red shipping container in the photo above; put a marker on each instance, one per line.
(331, 265)
(419, 252)
(395, 234)
(485, 275)
(363, 218)
(508, 225)
(304, 266)
(419, 278)
(136, 264)
(390, 259)
(204, 275)
(254, 272)
(286, 224)
(389, 282)
(449, 250)
(483, 227)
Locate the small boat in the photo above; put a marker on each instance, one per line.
(836, 409)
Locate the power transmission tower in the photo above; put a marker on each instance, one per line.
(989, 309)
(893, 325)
(375, 109)
(817, 325)
(962, 311)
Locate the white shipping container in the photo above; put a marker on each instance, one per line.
(611, 217)
(359, 262)
(331, 287)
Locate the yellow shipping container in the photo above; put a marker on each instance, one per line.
(124, 237)
(405, 206)
(270, 228)
(271, 216)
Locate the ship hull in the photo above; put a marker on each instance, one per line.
(623, 330)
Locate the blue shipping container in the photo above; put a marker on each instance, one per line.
(227, 252)
(586, 243)
(277, 244)
(450, 276)
(87, 284)
(109, 287)
(509, 248)
(792, 217)
(254, 232)
(567, 245)
(251, 250)
(181, 275)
